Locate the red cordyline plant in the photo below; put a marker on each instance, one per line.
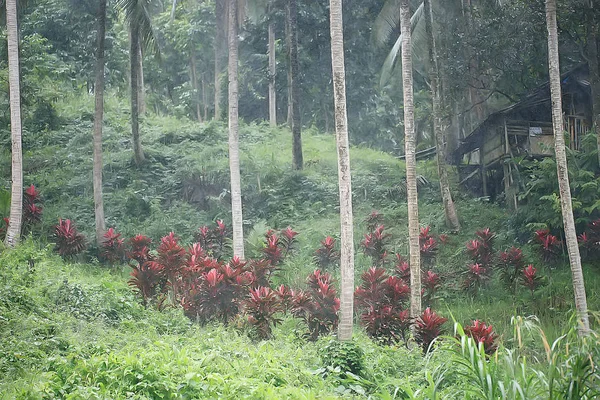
(374, 245)
(530, 279)
(272, 250)
(139, 249)
(69, 241)
(262, 270)
(112, 246)
(428, 326)
(510, 265)
(327, 256)
(148, 279)
(286, 296)
(475, 277)
(32, 211)
(549, 245)
(428, 246)
(589, 241)
(318, 306)
(481, 249)
(381, 299)
(483, 334)
(402, 269)
(172, 257)
(4, 228)
(261, 306)
(431, 283)
(288, 241)
(214, 240)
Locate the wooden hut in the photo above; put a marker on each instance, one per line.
(485, 158)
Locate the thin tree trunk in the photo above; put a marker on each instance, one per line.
(292, 15)
(561, 167)
(98, 119)
(288, 43)
(141, 83)
(449, 210)
(234, 156)
(594, 68)
(272, 74)
(344, 179)
(204, 98)
(411, 173)
(220, 7)
(13, 232)
(138, 153)
(194, 78)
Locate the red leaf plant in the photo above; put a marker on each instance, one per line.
(483, 334)
(510, 265)
(589, 241)
(4, 228)
(139, 249)
(69, 242)
(373, 220)
(530, 279)
(214, 240)
(288, 241)
(32, 211)
(318, 306)
(374, 245)
(286, 296)
(381, 299)
(431, 283)
(475, 277)
(262, 270)
(549, 245)
(428, 246)
(261, 306)
(402, 269)
(172, 257)
(428, 326)
(148, 279)
(272, 250)
(112, 246)
(327, 256)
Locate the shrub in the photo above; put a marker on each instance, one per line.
(262, 270)
(272, 250)
(428, 246)
(148, 279)
(4, 228)
(549, 245)
(327, 255)
(484, 334)
(373, 220)
(318, 306)
(285, 296)
(172, 257)
(261, 306)
(402, 269)
(346, 356)
(381, 298)
(481, 249)
(428, 326)
(69, 241)
(510, 265)
(476, 276)
(139, 249)
(288, 241)
(589, 241)
(431, 284)
(530, 279)
(214, 241)
(112, 246)
(374, 245)
(32, 211)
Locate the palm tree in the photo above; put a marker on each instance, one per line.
(345, 186)
(449, 209)
(562, 171)
(234, 154)
(292, 23)
(142, 36)
(411, 173)
(13, 232)
(98, 117)
(272, 76)
(220, 38)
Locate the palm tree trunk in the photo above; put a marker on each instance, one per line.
(272, 74)
(411, 173)
(194, 79)
(220, 18)
(594, 68)
(344, 179)
(138, 153)
(234, 156)
(561, 167)
(13, 232)
(449, 210)
(98, 119)
(141, 83)
(204, 98)
(292, 14)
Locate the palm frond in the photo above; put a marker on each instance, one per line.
(137, 14)
(419, 48)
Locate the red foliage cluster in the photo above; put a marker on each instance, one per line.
(549, 245)
(428, 326)
(172, 257)
(382, 299)
(374, 245)
(261, 306)
(327, 255)
(112, 246)
(589, 241)
(484, 334)
(481, 250)
(475, 277)
(32, 211)
(69, 241)
(373, 220)
(402, 268)
(318, 306)
(277, 248)
(428, 246)
(4, 228)
(530, 279)
(213, 240)
(139, 249)
(148, 279)
(510, 265)
(431, 284)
